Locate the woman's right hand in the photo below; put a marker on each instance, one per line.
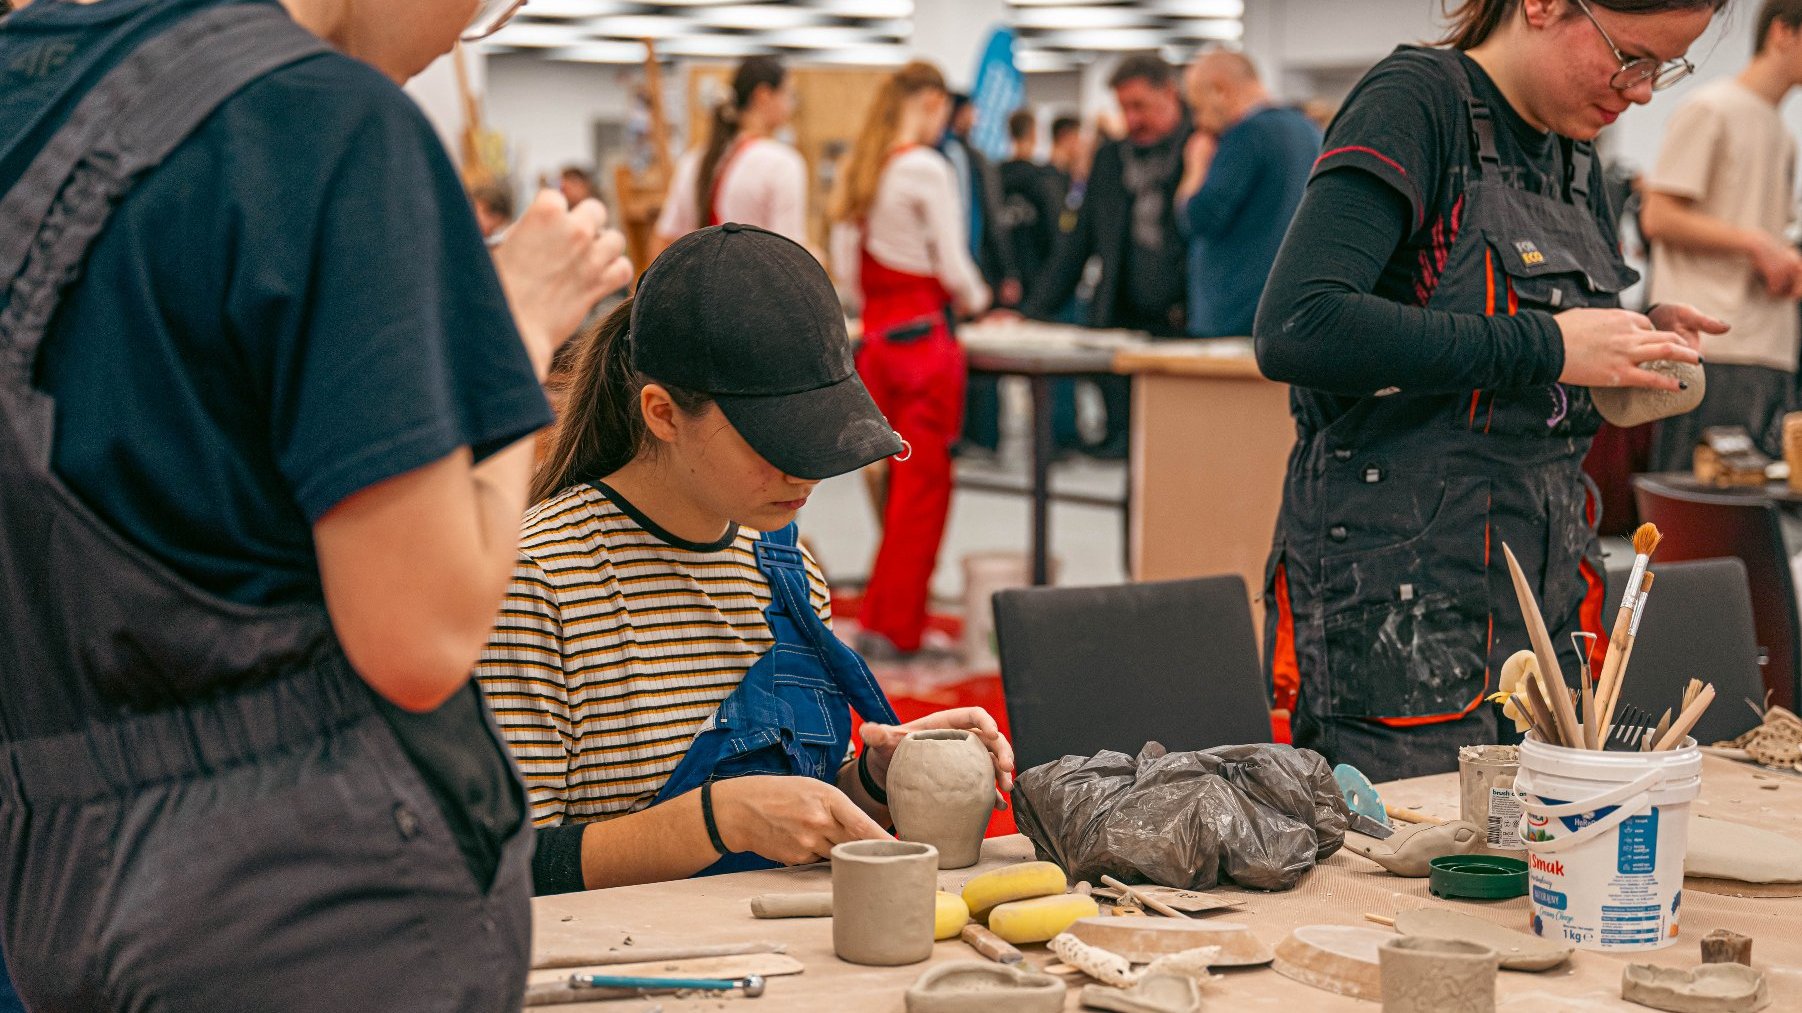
(1606, 348)
(792, 820)
(555, 264)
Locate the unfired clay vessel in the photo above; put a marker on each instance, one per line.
(1155, 993)
(884, 899)
(1410, 851)
(1518, 951)
(941, 790)
(1632, 406)
(1422, 975)
(1710, 988)
(971, 986)
(792, 905)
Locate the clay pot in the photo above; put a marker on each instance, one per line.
(1422, 975)
(1627, 407)
(884, 901)
(941, 791)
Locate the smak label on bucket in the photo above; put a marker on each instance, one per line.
(1606, 894)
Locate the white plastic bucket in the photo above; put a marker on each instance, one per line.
(1606, 835)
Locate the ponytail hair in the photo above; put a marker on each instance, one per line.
(754, 72)
(1470, 23)
(601, 428)
(855, 190)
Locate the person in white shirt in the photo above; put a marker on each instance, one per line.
(1717, 207)
(742, 173)
(899, 248)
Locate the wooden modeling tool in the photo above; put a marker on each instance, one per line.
(1692, 712)
(990, 945)
(1401, 815)
(1539, 713)
(1563, 714)
(1144, 899)
(1584, 643)
(1664, 724)
(1612, 687)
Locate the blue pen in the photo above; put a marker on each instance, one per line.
(752, 985)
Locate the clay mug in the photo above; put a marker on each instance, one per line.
(941, 791)
(884, 899)
(1425, 975)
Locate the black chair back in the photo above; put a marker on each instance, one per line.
(1698, 625)
(1092, 668)
(1743, 525)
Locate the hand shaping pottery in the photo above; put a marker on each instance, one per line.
(976, 987)
(1710, 988)
(884, 899)
(1423, 975)
(1412, 848)
(941, 791)
(1631, 406)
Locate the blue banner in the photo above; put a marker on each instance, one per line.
(1000, 89)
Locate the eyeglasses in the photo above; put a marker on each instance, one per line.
(1637, 71)
(491, 16)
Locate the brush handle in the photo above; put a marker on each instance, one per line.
(1562, 711)
(1687, 720)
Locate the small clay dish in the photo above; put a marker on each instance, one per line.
(1709, 988)
(1477, 877)
(974, 986)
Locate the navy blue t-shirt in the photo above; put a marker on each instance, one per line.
(295, 306)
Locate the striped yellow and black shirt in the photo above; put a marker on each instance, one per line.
(616, 642)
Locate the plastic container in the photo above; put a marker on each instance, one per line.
(1486, 797)
(1606, 836)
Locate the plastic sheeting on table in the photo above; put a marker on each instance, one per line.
(1259, 816)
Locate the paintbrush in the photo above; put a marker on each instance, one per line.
(1612, 689)
(1645, 542)
(1548, 671)
(1692, 712)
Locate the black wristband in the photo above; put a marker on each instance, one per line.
(877, 795)
(713, 829)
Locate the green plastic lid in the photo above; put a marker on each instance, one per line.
(1482, 877)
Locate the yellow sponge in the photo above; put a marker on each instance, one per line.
(1036, 920)
(1016, 882)
(951, 917)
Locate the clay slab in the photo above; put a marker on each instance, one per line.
(976, 987)
(1518, 950)
(1410, 850)
(1186, 901)
(1337, 958)
(1719, 849)
(1142, 939)
(1710, 988)
(1155, 993)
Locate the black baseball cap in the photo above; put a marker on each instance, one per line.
(750, 318)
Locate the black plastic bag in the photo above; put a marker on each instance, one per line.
(1260, 816)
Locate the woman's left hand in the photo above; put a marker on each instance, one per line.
(879, 742)
(1686, 321)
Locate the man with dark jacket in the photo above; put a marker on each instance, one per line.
(980, 185)
(1128, 219)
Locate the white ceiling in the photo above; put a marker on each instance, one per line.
(1052, 34)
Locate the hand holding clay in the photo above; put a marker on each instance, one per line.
(792, 820)
(880, 741)
(1606, 348)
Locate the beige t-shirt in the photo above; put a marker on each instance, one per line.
(1728, 150)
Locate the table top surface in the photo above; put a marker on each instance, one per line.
(1777, 491)
(1341, 890)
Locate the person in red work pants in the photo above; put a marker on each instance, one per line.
(900, 233)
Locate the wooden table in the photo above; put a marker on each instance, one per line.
(1341, 890)
(1777, 492)
(1211, 442)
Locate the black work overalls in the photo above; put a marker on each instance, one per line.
(1389, 604)
(202, 806)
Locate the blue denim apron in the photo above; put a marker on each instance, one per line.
(792, 713)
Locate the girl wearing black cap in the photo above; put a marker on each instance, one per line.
(663, 667)
(1446, 296)
(899, 246)
(742, 174)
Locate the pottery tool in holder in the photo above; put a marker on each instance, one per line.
(1611, 689)
(1548, 674)
(1626, 619)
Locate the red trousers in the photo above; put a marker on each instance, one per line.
(919, 385)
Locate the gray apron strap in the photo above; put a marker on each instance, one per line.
(126, 125)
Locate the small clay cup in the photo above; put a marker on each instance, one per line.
(884, 898)
(1423, 975)
(941, 791)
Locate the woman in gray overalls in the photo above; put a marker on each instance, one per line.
(263, 414)
(1442, 303)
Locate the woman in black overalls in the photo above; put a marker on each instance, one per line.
(1442, 303)
(214, 796)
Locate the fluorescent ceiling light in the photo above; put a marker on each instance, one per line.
(639, 26)
(1051, 3)
(711, 46)
(539, 35)
(1216, 29)
(821, 37)
(678, 3)
(867, 8)
(1105, 39)
(1080, 17)
(755, 16)
(1039, 61)
(563, 10)
(600, 52)
(1200, 8)
(862, 56)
